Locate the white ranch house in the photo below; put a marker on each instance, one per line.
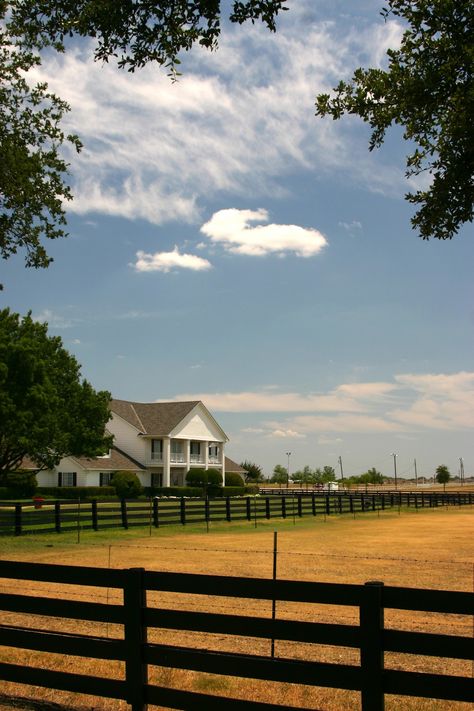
(159, 441)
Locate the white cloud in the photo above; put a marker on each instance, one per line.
(166, 261)
(325, 440)
(232, 228)
(238, 121)
(53, 320)
(408, 404)
(286, 434)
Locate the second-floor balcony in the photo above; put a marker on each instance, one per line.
(197, 459)
(177, 458)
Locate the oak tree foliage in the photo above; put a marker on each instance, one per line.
(428, 89)
(33, 170)
(46, 410)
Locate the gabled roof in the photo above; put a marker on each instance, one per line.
(233, 468)
(153, 418)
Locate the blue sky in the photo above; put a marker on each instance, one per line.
(226, 245)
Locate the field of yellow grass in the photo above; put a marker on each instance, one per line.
(428, 549)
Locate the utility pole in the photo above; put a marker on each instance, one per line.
(288, 470)
(395, 468)
(342, 471)
(416, 475)
(461, 470)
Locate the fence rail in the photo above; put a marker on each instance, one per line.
(68, 515)
(370, 678)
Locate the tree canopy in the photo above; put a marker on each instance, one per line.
(254, 471)
(47, 412)
(33, 171)
(443, 474)
(136, 32)
(428, 90)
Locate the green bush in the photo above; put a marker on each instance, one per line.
(127, 485)
(76, 492)
(252, 489)
(173, 491)
(4, 492)
(229, 491)
(22, 484)
(205, 478)
(233, 479)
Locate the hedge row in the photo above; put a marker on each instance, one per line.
(75, 492)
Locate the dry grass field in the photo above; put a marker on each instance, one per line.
(428, 549)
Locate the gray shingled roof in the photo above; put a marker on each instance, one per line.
(118, 460)
(233, 467)
(153, 418)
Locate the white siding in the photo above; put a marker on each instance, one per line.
(197, 425)
(127, 438)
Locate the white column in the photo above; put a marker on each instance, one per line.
(223, 463)
(206, 454)
(166, 461)
(187, 452)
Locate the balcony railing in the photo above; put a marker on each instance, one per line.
(214, 460)
(157, 457)
(197, 459)
(177, 458)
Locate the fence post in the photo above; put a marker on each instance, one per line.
(328, 510)
(267, 508)
(283, 507)
(18, 511)
(156, 522)
(57, 516)
(313, 504)
(123, 507)
(300, 505)
(182, 507)
(227, 508)
(249, 511)
(371, 648)
(95, 518)
(135, 634)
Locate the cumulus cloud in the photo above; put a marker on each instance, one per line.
(233, 229)
(167, 261)
(286, 434)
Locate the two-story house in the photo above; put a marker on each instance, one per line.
(159, 441)
(168, 438)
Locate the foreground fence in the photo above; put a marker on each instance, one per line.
(138, 655)
(63, 515)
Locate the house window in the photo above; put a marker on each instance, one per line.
(196, 448)
(214, 453)
(157, 449)
(104, 478)
(67, 479)
(156, 479)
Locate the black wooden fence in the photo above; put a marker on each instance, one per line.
(370, 678)
(63, 515)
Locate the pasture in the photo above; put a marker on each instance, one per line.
(429, 549)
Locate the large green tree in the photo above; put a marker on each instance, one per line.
(32, 168)
(428, 89)
(46, 411)
(33, 171)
